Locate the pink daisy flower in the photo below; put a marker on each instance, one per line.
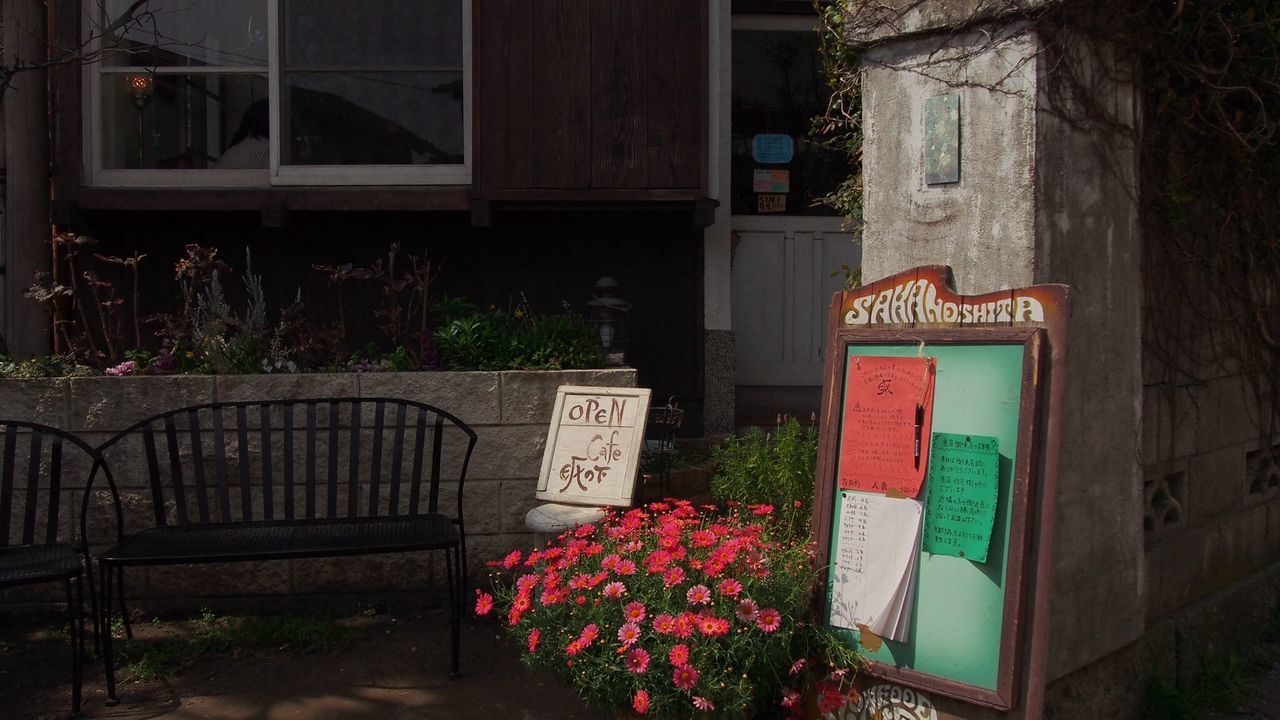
(713, 626)
(702, 538)
(637, 661)
(640, 702)
(534, 636)
(512, 559)
(685, 677)
(797, 667)
(626, 567)
(747, 610)
(628, 634)
(729, 587)
(790, 698)
(673, 576)
(703, 704)
(684, 625)
(664, 623)
(769, 620)
(679, 655)
(634, 612)
(614, 590)
(698, 595)
(484, 603)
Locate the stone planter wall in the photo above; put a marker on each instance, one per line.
(510, 412)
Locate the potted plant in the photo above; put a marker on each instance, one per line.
(676, 610)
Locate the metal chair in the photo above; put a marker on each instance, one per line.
(33, 548)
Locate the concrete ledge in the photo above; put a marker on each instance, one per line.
(509, 411)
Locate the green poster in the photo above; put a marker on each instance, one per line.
(963, 486)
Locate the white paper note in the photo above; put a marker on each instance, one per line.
(875, 563)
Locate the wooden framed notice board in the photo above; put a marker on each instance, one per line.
(936, 468)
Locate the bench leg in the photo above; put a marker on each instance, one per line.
(93, 604)
(105, 624)
(455, 609)
(75, 616)
(466, 581)
(124, 609)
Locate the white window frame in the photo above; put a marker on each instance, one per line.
(93, 132)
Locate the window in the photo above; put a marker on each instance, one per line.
(280, 92)
(778, 88)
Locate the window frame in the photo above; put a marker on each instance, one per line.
(275, 175)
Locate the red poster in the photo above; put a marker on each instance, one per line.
(888, 411)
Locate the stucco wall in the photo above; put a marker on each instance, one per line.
(982, 226)
(1035, 203)
(1087, 235)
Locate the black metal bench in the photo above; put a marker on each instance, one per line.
(35, 547)
(280, 479)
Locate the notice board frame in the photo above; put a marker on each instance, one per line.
(920, 305)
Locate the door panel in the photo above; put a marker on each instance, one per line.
(782, 285)
(786, 243)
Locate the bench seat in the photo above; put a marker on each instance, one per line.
(27, 564)
(281, 539)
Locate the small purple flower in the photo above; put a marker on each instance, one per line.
(165, 365)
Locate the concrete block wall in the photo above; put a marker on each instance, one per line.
(1211, 491)
(510, 412)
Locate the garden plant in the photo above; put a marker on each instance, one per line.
(93, 306)
(677, 610)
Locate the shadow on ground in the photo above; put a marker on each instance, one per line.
(397, 667)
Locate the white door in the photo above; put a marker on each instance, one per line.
(788, 255)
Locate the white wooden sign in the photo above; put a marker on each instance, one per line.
(593, 445)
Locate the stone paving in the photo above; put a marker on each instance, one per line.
(397, 668)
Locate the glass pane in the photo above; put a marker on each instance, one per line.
(362, 118)
(184, 121)
(186, 33)
(778, 88)
(321, 34)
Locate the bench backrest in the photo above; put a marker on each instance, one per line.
(324, 458)
(33, 461)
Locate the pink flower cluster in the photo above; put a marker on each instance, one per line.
(648, 590)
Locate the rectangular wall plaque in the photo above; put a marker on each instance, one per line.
(942, 139)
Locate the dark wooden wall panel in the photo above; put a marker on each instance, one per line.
(674, 81)
(561, 94)
(503, 139)
(65, 116)
(588, 99)
(619, 51)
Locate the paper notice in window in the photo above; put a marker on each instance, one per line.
(888, 411)
(876, 558)
(964, 486)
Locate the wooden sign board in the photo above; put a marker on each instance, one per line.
(972, 623)
(593, 445)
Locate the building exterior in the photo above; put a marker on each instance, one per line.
(533, 146)
(530, 147)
